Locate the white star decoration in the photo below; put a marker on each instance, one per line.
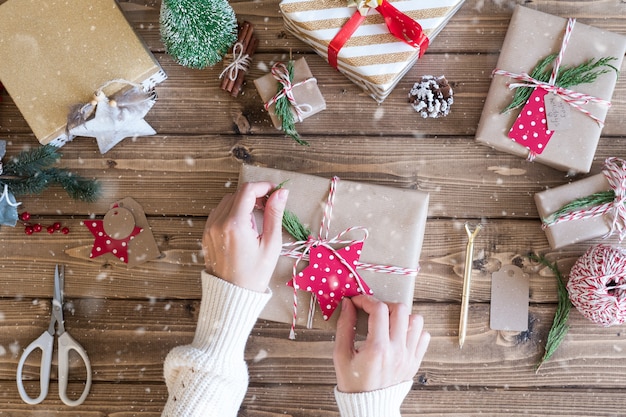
(115, 120)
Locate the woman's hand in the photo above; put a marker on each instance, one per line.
(234, 249)
(392, 352)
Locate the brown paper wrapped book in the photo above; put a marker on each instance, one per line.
(532, 36)
(394, 218)
(56, 53)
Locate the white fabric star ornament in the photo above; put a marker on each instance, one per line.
(114, 119)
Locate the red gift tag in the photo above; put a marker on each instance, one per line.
(531, 127)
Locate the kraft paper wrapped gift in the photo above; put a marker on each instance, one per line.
(306, 93)
(394, 218)
(372, 58)
(532, 36)
(56, 53)
(571, 228)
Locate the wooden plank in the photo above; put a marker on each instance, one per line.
(440, 278)
(147, 400)
(190, 102)
(128, 341)
(187, 176)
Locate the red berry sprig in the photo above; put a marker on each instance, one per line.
(30, 228)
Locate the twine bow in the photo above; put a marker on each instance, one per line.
(571, 97)
(281, 74)
(300, 250)
(240, 62)
(615, 173)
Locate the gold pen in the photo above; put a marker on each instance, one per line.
(467, 278)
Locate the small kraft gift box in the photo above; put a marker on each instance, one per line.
(559, 124)
(306, 98)
(586, 209)
(56, 53)
(356, 40)
(363, 237)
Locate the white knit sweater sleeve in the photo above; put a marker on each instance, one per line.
(209, 377)
(383, 402)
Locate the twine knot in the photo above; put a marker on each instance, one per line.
(240, 62)
(281, 74)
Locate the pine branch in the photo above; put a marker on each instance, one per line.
(285, 114)
(30, 173)
(559, 324)
(76, 186)
(291, 222)
(30, 162)
(596, 199)
(585, 73)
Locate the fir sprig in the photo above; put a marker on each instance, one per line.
(291, 222)
(285, 114)
(30, 172)
(559, 324)
(587, 72)
(593, 200)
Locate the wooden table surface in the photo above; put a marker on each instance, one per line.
(128, 319)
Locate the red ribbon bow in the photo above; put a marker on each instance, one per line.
(399, 24)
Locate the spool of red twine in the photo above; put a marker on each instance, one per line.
(597, 285)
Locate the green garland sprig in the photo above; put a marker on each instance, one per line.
(587, 72)
(30, 172)
(595, 199)
(559, 324)
(291, 222)
(284, 113)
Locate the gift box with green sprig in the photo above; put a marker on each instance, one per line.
(31, 172)
(350, 237)
(374, 43)
(290, 95)
(563, 73)
(586, 209)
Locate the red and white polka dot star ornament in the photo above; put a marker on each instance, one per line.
(331, 275)
(113, 233)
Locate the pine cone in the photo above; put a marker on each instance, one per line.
(432, 96)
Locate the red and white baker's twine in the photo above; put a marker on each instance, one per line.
(299, 250)
(615, 173)
(597, 285)
(240, 62)
(571, 97)
(281, 74)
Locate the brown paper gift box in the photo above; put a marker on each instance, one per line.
(307, 93)
(55, 54)
(532, 36)
(573, 231)
(395, 219)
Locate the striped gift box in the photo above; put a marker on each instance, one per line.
(372, 58)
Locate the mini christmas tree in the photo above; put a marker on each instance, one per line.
(197, 33)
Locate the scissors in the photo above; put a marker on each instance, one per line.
(45, 342)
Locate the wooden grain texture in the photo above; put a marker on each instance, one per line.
(128, 319)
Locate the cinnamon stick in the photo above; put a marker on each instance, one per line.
(243, 29)
(247, 36)
(251, 48)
